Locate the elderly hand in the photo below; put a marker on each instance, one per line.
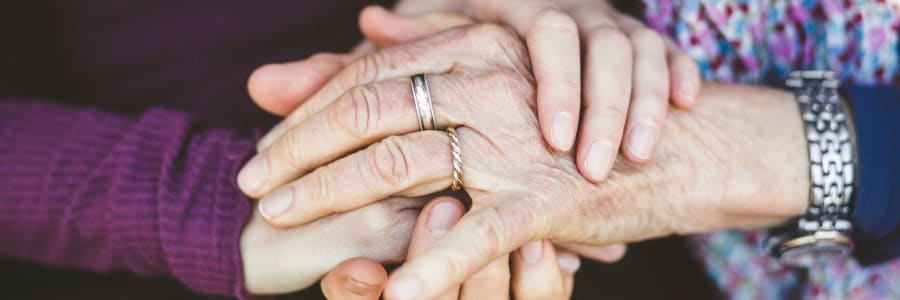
(281, 87)
(630, 71)
(550, 276)
(626, 73)
(716, 168)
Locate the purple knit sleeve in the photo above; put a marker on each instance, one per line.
(153, 194)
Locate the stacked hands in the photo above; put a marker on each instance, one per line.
(341, 179)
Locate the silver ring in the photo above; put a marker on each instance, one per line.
(422, 99)
(457, 182)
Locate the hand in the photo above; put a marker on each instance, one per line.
(285, 260)
(710, 165)
(279, 88)
(628, 71)
(547, 274)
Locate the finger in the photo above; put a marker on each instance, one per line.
(552, 39)
(398, 62)
(482, 236)
(568, 265)
(607, 254)
(385, 28)
(536, 272)
(279, 88)
(378, 25)
(650, 90)
(685, 75)
(392, 62)
(360, 117)
(434, 222)
(356, 278)
(608, 80)
(415, 164)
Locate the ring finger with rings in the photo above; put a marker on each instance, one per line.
(410, 165)
(361, 116)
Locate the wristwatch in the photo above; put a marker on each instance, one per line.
(823, 233)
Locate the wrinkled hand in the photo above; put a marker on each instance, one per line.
(279, 88)
(536, 272)
(587, 54)
(629, 71)
(710, 173)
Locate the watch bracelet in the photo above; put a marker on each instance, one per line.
(830, 146)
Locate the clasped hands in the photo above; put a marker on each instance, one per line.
(354, 142)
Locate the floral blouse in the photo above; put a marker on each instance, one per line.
(758, 42)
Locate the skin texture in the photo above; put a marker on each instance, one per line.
(551, 276)
(271, 90)
(285, 260)
(715, 168)
(381, 226)
(624, 77)
(629, 72)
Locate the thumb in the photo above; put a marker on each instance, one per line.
(385, 28)
(280, 88)
(357, 278)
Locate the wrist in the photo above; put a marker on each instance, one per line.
(753, 170)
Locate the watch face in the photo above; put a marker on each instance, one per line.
(815, 253)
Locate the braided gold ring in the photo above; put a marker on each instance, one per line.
(457, 183)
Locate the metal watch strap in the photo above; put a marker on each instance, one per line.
(830, 152)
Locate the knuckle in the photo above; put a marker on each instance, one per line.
(318, 189)
(609, 112)
(553, 21)
(365, 69)
(360, 112)
(608, 38)
(390, 162)
(492, 228)
(290, 152)
(647, 40)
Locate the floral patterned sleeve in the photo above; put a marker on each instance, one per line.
(758, 42)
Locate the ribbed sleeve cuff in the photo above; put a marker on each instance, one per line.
(203, 244)
(197, 212)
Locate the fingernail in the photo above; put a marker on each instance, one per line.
(443, 216)
(407, 288)
(599, 160)
(253, 175)
(274, 204)
(641, 139)
(562, 131)
(270, 136)
(532, 251)
(568, 262)
(359, 288)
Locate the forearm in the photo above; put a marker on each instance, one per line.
(154, 195)
(738, 159)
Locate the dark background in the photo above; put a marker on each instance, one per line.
(656, 269)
